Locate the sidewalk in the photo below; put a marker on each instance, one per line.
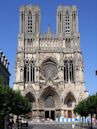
(85, 126)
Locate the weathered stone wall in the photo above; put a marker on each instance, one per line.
(48, 52)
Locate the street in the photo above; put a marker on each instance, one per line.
(50, 126)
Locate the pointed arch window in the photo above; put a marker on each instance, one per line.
(68, 71)
(29, 22)
(32, 71)
(26, 71)
(71, 71)
(29, 72)
(67, 22)
(60, 17)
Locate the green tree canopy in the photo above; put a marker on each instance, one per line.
(82, 108)
(13, 102)
(87, 107)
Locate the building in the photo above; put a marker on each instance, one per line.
(4, 72)
(49, 68)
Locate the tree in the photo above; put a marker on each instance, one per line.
(91, 104)
(82, 109)
(20, 105)
(96, 104)
(12, 102)
(87, 107)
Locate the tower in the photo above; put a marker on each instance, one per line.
(67, 20)
(49, 68)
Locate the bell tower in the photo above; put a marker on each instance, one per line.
(29, 20)
(67, 20)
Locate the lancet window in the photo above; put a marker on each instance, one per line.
(67, 22)
(29, 71)
(68, 71)
(29, 22)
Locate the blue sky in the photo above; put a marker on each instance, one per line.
(87, 11)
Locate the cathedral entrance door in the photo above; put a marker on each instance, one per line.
(46, 114)
(53, 115)
(69, 114)
(50, 114)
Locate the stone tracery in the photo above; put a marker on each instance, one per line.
(29, 71)
(48, 77)
(49, 69)
(70, 100)
(69, 70)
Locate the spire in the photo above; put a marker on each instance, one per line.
(48, 33)
(49, 30)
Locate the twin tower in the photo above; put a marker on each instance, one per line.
(49, 68)
(30, 20)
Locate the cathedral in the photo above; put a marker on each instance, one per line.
(49, 67)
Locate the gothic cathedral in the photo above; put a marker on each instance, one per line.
(49, 67)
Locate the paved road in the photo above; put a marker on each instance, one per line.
(50, 126)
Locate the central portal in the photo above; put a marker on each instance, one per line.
(49, 99)
(50, 114)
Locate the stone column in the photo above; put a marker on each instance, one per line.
(62, 116)
(62, 112)
(68, 72)
(67, 113)
(49, 114)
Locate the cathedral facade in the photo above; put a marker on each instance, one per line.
(49, 67)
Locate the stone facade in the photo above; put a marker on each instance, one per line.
(49, 68)
(4, 72)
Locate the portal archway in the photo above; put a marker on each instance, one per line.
(32, 100)
(49, 99)
(69, 102)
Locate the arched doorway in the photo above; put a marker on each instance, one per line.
(31, 99)
(70, 104)
(50, 103)
(50, 99)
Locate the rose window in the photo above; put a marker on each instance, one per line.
(49, 69)
(50, 101)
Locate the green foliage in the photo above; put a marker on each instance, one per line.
(87, 106)
(92, 104)
(82, 108)
(13, 102)
(20, 105)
